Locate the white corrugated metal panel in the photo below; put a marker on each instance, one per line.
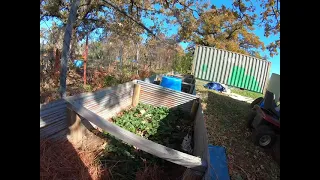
(159, 96)
(53, 118)
(233, 69)
(50, 130)
(106, 102)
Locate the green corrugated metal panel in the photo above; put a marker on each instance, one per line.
(230, 68)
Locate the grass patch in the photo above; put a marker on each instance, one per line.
(246, 93)
(225, 121)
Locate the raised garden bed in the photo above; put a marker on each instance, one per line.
(137, 140)
(159, 124)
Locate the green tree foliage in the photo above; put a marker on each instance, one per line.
(182, 63)
(200, 22)
(224, 29)
(232, 28)
(268, 19)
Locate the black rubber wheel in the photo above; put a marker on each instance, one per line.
(256, 101)
(264, 136)
(250, 119)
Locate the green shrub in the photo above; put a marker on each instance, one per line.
(110, 81)
(87, 88)
(182, 64)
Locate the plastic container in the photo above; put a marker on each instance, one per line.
(171, 83)
(78, 63)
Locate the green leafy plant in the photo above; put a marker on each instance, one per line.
(110, 81)
(87, 88)
(182, 63)
(159, 124)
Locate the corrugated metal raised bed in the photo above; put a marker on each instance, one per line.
(96, 108)
(230, 68)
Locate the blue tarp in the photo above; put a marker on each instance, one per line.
(215, 86)
(219, 166)
(78, 63)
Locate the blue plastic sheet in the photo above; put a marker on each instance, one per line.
(78, 63)
(215, 86)
(218, 169)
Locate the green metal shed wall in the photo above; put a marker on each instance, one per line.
(230, 68)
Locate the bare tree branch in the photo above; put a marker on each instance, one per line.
(130, 17)
(230, 34)
(193, 10)
(275, 13)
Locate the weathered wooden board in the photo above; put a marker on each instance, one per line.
(200, 137)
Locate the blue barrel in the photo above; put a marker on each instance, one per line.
(78, 63)
(171, 82)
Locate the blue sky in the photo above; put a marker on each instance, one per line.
(275, 60)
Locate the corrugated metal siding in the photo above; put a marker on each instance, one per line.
(159, 96)
(230, 68)
(200, 135)
(106, 103)
(109, 102)
(53, 119)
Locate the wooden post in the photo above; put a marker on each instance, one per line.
(136, 95)
(194, 108)
(76, 129)
(73, 119)
(57, 61)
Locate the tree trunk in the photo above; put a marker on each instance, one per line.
(137, 58)
(85, 62)
(57, 61)
(137, 54)
(121, 54)
(66, 47)
(73, 44)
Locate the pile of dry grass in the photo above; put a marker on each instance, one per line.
(60, 160)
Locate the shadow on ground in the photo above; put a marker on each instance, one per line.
(225, 119)
(62, 159)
